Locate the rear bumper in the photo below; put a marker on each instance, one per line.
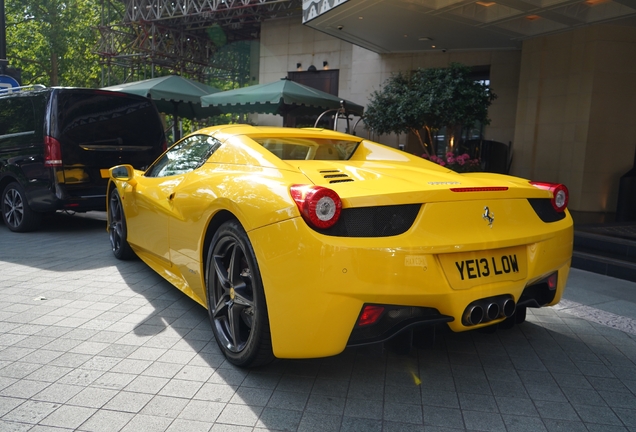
(316, 285)
(44, 197)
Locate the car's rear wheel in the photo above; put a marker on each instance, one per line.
(236, 300)
(402, 343)
(117, 230)
(516, 318)
(17, 214)
(520, 314)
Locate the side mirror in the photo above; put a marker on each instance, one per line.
(123, 173)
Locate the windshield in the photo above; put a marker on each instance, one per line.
(289, 148)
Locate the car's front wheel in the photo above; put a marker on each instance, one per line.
(16, 212)
(236, 300)
(117, 230)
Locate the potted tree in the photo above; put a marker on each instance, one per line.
(428, 100)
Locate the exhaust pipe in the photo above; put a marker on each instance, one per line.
(474, 315)
(492, 311)
(509, 308)
(489, 309)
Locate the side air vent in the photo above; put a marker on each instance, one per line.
(335, 176)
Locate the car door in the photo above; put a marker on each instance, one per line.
(156, 192)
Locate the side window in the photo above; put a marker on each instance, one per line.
(16, 117)
(185, 156)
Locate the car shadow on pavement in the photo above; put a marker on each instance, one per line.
(65, 221)
(64, 242)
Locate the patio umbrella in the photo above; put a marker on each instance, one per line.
(174, 95)
(280, 97)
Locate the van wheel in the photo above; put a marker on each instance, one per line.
(17, 214)
(117, 230)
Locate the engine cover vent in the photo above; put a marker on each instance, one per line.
(335, 176)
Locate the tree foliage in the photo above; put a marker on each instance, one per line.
(429, 99)
(51, 41)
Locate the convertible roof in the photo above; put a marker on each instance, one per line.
(223, 132)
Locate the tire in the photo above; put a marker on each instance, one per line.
(508, 323)
(236, 299)
(424, 337)
(520, 315)
(16, 213)
(402, 343)
(117, 231)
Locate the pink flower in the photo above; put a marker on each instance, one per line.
(460, 163)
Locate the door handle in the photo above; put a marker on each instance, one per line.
(171, 196)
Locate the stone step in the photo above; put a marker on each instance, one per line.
(606, 266)
(604, 254)
(605, 245)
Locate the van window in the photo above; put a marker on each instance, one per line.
(103, 119)
(16, 117)
(101, 128)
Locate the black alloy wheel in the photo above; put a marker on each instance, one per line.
(236, 300)
(17, 214)
(117, 230)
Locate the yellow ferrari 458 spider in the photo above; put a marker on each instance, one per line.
(301, 242)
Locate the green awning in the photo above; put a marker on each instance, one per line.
(281, 97)
(173, 94)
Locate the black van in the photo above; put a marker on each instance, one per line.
(56, 145)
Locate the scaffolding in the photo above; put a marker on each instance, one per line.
(141, 38)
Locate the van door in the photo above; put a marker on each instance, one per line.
(98, 129)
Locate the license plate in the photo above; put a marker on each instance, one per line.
(104, 173)
(466, 270)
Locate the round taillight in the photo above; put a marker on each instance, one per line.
(560, 194)
(560, 198)
(319, 206)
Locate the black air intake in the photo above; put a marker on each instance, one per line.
(381, 221)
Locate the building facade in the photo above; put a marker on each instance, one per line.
(566, 97)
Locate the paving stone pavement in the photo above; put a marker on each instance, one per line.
(90, 343)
